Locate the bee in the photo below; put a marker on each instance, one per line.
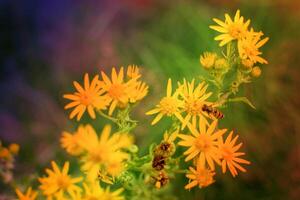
(159, 162)
(212, 111)
(161, 180)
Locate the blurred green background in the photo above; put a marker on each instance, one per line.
(45, 45)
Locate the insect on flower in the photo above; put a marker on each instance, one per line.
(212, 111)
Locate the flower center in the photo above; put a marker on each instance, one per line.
(168, 105)
(86, 98)
(63, 182)
(235, 31)
(203, 143)
(116, 91)
(227, 154)
(193, 106)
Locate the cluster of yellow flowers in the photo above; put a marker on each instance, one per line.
(98, 95)
(112, 159)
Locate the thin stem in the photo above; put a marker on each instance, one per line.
(107, 117)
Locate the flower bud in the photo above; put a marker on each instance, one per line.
(247, 64)
(256, 71)
(14, 148)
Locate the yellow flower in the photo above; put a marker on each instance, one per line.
(29, 195)
(203, 142)
(249, 48)
(169, 105)
(58, 182)
(93, 191)
(230, 156)
(221, 63)
(133, 71)
(118, 91)
(207, 60)
(235, 29)
(104, 152)
(194, 98)
(201, 176)
(70, 142)
(139, 92)
(86, 98)
(14, 148)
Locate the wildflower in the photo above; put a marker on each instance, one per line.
(230, 156)
(86, 98)
(133, 71)
(5, 154)
(221, 63)
(14, 148)
(104, 151)
(58, 182)
(256, 71)
(29, 195)
(194, 98)
(139, 92)
(201, 176)
(169, 105)
(93, 191)
(117, 91)
(203, 142)
(207, 60)
(248, 48)
(70, 142)
(235, 29)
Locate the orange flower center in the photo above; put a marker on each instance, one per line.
(116, 91)
(193, 106)
(86, 98)
(203, 143)
(236, 31)
(204, 177)
(227, 153)
(63, 182)
(168, 105)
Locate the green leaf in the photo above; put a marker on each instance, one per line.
(242, 99)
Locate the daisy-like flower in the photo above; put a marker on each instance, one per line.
(59, 182)
(29, 195)
(203, 142)
(86, 98)
(231, 29)
(103, 152)
(230, 155)
(207, 60)
(139, 92)
(248, 48)
(194, 98)
(118, 91)
(201, 176)
(169, 105)
(70, 142)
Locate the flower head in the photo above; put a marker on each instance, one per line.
(139, 92)
(133, 71)
(117, 90)
(230, 155)
(207, 60)
(87, 98)
(29, 195)
(202, 143)
(201, 176)
(58, 182)
(169, 105)
(194, 97)
(104, 152)
(231, 29)
(249, 48)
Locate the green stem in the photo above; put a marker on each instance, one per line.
(107, 117)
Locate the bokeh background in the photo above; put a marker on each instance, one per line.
(45, 45)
